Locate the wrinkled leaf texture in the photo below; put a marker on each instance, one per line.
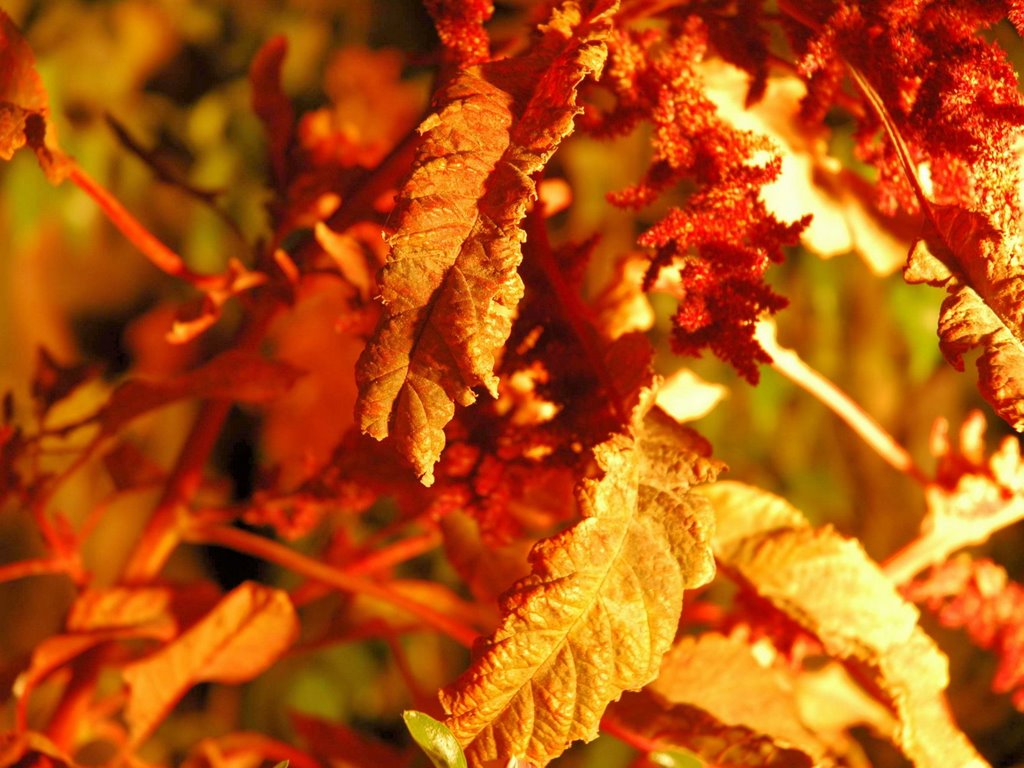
(984, 308)
(964, 252)
(601, 605)
(24, 105)
(829, 585)
(684, 725)
(450, 286)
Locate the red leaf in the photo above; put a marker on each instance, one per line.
(962, 251)
(271, 104)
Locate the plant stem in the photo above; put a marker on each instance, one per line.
(158, 254)
(39, 567)
(641, 743)
(74, 702)
(271, 551)
(949, 534)
(160, 536)
(575, 311)
(789, 364)
(378, 560)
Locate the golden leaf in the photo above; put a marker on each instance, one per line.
(601, 605)
(828, 584)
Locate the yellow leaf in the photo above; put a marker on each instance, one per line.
(722, 676)
(828, 584)
(601, 605)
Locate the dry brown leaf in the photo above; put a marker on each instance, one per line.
(450, 286)
(24, 106)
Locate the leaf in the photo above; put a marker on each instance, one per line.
(829, 586)
(233, 375)
(245, 633)
(964, 251)
(721, 676)
(984, 308)
(601, 605)
(435, 740)
(271, 105)
(689, 727)
(978, 596)
(96, 617)
(450, 286)
(714, 698)
(146, 609)
(973, 496)
(24, 107)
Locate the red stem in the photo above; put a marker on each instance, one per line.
(39, 567)
(316, 570)
(158, 254)
(378, 560)
(613, 728)
(161, 534)
(574, 308)
(74, 702)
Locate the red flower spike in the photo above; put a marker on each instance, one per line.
(977, 596)
(460, 25)
(724, 239)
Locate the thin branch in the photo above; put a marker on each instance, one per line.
(158, 254)
(948, 535)
(788, 363)
(207, 197)
(576, 312)
(37, 567)
(381, 559)
(160, 536)
(271, 551)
